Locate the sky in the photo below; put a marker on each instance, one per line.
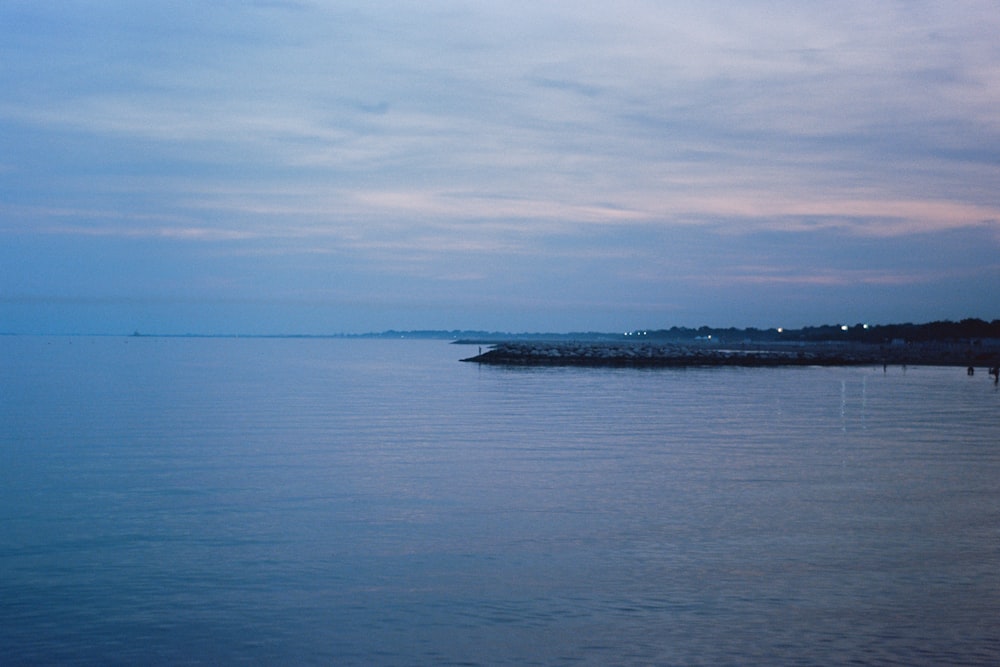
(342, 167)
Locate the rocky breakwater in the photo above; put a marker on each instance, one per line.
(666, 355)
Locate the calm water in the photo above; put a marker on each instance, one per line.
(207, 501)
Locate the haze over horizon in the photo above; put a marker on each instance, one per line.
(316, 167)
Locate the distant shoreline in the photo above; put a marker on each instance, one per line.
(677, 355)
(970, 331)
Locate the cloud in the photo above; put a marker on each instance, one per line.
(802, 276)
(639, 139)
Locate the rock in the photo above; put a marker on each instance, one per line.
(561, 353)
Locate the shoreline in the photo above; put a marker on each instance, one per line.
(681, 355)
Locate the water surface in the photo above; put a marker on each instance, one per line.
(206, 501)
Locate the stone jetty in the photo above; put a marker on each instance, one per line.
(678, 355)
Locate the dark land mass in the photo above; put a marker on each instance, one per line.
(942, 331)
(971, 342)
(667, 355)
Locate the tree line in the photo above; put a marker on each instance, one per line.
(969, 329)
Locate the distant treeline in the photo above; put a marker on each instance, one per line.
(967, 329)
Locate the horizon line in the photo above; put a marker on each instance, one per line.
(456, 333)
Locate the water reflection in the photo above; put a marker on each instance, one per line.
(380, 503)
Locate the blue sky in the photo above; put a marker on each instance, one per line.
(278, 167)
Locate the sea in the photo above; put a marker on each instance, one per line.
(266, 501)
